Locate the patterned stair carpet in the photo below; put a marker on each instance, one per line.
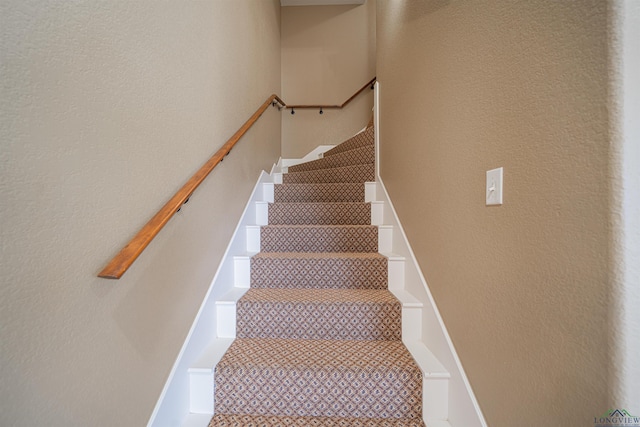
(318, 333)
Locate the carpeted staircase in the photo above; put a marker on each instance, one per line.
(318, 334)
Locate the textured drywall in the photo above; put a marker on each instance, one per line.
(328, 53)
(626, 205)
(523, 288)
(107, 109)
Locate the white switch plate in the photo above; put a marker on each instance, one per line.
(494, 187)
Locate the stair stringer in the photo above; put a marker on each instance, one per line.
(191, 369)
(463, 408)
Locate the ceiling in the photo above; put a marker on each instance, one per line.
(318, 2)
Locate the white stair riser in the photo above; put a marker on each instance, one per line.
(435, 399)
(385, 238)
(242, 271)
(253, 238)
(377, 210)
(226, 320)
(370, 192)
(262, 213)
(268, 192)
(396, 273)
(411, 323)
(201, 389)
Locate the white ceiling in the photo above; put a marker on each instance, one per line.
(318, 2)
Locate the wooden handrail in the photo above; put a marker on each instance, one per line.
(370, 83)
(123, 260)
(127, 255)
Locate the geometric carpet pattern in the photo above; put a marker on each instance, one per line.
(358, 156)
(319, 238)
(319, 192)
(341, 213)
(359, 314)
(354, 173)
(362, 139)
(319, 270)
(318, 334)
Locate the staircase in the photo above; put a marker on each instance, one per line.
(324, 333)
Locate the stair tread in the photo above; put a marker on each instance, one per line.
(319, 238)
(343, 378)
(319, 270)
(320, 226)
(300, 354)
(321, 192)
(320, 213)
(319, 255)
(310, 313)
(330, 203)
(228, 420)
(332, 170)
(349, 174)
(324, 296)
(355, 156)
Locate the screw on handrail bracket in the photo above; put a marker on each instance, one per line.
(184, 203)
(293, 111)
(321, 112)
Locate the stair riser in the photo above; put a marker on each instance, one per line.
(319, 321)
(320, 213)
(358, 156)
(226, 420)
(327, 392)
(350, 174)
(376, 213)
(319, 273)
(319, 239)
(315, 193)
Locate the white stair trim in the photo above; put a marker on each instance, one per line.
(173, 404)
(197, 420)
(201, 377)
(462, 406)
(226, 312)
(435, 382)
(242, 270)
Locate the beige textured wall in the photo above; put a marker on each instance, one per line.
(626, 206)
(107, 109)
(328, 52)
(524, 287)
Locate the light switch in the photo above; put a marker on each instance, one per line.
(494, 187)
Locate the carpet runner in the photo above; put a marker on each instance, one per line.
(318, 334)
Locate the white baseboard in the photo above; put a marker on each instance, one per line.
(463, 408)
(173, 405)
